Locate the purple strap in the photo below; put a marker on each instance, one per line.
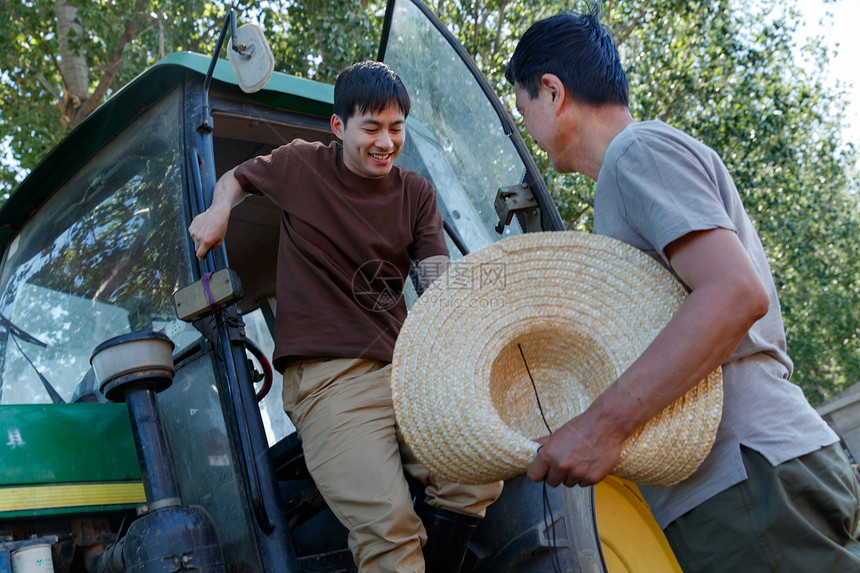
(212, 303)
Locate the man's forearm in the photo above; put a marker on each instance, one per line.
(701, 336)
(209, 228)
(227, 192)
(727, 298)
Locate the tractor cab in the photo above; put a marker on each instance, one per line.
(96, 254)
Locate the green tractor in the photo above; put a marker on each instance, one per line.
(138, 431)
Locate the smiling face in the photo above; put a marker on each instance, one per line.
(371, 140)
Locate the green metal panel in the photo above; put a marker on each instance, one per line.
(66, 443)
(281, 91)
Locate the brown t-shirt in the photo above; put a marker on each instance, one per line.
(345, 246)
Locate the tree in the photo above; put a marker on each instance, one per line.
(62, 58)
(319, 38)
(732, 81)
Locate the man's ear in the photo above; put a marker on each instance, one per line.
(555, 91)
(337, 126)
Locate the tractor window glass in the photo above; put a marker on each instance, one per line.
(101, 258)
(454, 137)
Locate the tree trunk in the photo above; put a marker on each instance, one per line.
(73, 61)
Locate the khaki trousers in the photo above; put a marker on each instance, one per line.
(343, 412)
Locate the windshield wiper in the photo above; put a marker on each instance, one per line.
(19, 334)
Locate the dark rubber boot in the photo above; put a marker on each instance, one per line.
(448, 535)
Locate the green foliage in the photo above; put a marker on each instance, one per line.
(318, 38)
(118, 40)
(722, 71)
(121, 38)
(733, 82)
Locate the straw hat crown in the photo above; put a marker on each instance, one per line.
(542, 321)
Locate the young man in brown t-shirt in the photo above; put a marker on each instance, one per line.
(351, 222)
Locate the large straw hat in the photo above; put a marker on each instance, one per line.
(580, 309)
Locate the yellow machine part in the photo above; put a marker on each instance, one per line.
(631, 540)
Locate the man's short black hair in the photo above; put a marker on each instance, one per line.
(368, 86)
(579, 50)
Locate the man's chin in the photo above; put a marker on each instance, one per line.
(378, 172)
(384, 169)
(561, 168)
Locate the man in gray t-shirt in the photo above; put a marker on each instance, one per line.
(776, 488)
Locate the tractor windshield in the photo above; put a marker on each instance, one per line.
(101, 258)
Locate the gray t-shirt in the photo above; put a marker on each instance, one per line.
(656, 185)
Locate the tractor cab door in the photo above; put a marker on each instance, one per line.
(460, 135)
(463, 140)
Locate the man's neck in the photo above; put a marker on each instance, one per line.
(603, 124)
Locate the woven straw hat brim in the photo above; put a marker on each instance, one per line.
(569, 310)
